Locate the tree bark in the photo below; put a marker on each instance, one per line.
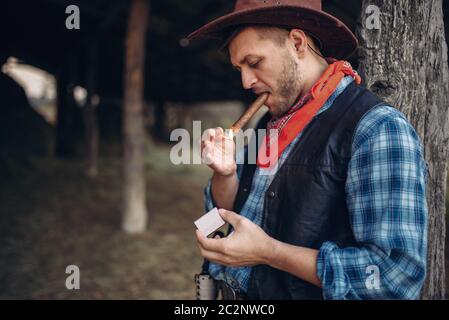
(134, 211)
(405, 63)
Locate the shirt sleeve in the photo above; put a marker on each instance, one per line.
(386, 200)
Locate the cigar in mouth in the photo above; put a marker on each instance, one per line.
(249, 113)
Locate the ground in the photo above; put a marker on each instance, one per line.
(52, 217)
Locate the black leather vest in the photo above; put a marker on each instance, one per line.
(305, 204)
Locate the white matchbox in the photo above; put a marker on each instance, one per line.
(210, 222)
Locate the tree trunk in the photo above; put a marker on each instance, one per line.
(90, 117)
(404, 61)
(135, 212)
(65, 123)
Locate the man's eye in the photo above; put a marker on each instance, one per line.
(253, 65)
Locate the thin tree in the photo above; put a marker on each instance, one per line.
(134, 209)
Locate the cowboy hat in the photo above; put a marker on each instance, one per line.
(336, 39)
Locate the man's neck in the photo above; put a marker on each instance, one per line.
(315, 72)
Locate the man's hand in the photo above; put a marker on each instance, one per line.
(247, 245)
(218, 152)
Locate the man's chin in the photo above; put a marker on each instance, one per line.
(274, 108)
(274, 112)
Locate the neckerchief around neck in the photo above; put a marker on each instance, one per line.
(287, 127)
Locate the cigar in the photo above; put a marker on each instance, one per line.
(246, 117)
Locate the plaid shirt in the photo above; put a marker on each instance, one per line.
(385, 196)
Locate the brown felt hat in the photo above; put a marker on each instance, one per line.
(336, 39)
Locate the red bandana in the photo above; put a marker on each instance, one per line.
(302, 112)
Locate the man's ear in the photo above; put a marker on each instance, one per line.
(299, 39)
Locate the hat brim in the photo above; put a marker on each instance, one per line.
(336, 38)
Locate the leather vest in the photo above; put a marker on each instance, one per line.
(305, 205)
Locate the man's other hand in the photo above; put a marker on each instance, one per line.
(247, 245)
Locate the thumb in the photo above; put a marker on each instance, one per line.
(230, 217)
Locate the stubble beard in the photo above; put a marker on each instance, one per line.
(288, 85)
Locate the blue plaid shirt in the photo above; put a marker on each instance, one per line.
(385, 196)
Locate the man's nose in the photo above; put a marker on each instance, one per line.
(249, 79)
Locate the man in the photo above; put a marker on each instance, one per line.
(345, 215)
